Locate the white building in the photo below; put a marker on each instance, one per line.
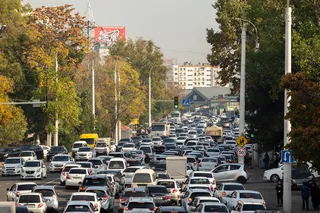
(188, 76)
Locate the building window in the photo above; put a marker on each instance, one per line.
(194, 97)
(175, 69)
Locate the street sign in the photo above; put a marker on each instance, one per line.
(241, 141)
(286, 156)
(186, 102)
(241, 152)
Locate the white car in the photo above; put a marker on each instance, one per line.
(182, 139)
(157, 141)
(28, 155)
(112, 179)
(203, 181)
(273, 175)
(65, 170)
(248, 207)
(103, 196)
(33, 201)
(208, 175)
(172, 185)
(12, 166)
(18, 189)
(208, 163)
(128, 147)
(224, 189)
(86, 196)
(89, 166)
(76, 145)
(140, 205)
(75, 176)
(58, 161)
(197, 200)
(74, 206)
(211, 207)
(243, 195)
(33, 169)
(98, 164)
(85, 153)
(128, 173)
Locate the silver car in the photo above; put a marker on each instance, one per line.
(230, 172)
(50, 196)
(103, 196)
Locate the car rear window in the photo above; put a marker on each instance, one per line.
(78, 208)
(135, 194)
(67, 168)
(95, 162)
(60, 158)
(252, 207)
(200, 194)
(78, 171)
(116, 165)
(247, 195)
(141, 178)
(207, 175)
(82, 198)
(99, 144)
(199, 181)
(167, 184)
(85, 165)
(94, 182)
(29, 199)
(100, 193)
(129, 145)
(159, 189)
(77, 145)
(25, 187)
(215, 209)
(45, 192)
(209, 201)
(209, 160)
(84, 149)
(140, 205)
(233, 187)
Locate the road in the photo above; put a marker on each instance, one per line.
(266, 188)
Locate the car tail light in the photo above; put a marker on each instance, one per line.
(167, 197)
(17, 194)
(174, 190)
(128, 209)
(223, 194)
(82, 189)
(189, 199)
(68, 176)
(123, 199)
(40, 205)
(152, 209)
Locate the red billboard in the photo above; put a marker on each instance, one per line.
(107, 36)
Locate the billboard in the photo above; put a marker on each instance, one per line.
(107, 36)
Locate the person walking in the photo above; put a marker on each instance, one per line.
(116, 203)
(305, 193)
(266, 161)
(314, 192)
(279, 190)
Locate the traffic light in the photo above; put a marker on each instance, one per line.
(251, 135)
(176, 102)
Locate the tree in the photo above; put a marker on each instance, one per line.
(12, 121)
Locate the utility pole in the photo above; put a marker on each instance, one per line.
(119, 121)
(116, 104)
(56, 123)
(242, 84)
(93, 95)
(149, 92)
(287, 199)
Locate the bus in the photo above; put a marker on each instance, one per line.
(90, 138)
(160, 129)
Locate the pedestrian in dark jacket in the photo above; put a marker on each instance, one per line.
(146, 159)
(305, 193)
(315, 196)
(266, 161)
(279, 189)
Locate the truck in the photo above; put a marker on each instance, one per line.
(160, 129)
(177, 168)
(215, 132)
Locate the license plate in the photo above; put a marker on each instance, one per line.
(10, 171)
(76, 178)
(100, 151)
(57, 169)
(29, 175)
(30, 206)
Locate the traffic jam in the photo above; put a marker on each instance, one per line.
(190, 165)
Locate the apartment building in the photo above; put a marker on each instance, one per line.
(188, 76)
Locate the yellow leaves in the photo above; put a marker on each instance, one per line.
(6, 86)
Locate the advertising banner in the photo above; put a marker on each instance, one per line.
(107, 36)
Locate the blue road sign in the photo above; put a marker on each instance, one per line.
(286, 156)
(186, 102)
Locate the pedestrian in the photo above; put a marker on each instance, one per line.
(116, 203)
(266, 161)
(305, 192)
(314, 192)
(279, 190)
(147, 159)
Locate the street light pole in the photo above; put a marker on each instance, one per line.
(116, 104)
(56, 123)
(93, 95)
(287, 199)
(149, 88)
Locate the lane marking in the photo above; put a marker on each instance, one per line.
(52, 181)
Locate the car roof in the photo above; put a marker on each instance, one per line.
(157, 186)
(25, 183)
(97, 188)
(140, 189)
(78, 203)
(198, 190)
(250, 202)
(31, 193)
(205, 172)
(135, 167)
(96, 176)
(213, 204)
(247, 191)
(117, 159)
(239, 184)
(83, 193)
(207, 197)
(163, 180)
(15, 158)
(34, 160)
(141, 199)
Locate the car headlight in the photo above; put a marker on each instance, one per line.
(38, 170)
(6, 155)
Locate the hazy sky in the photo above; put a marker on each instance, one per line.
(178, 27)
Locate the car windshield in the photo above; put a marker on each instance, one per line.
(60, 158)
(78, 171)
(248, 195)
(141, 178)
(32, 164)
(167, 184)
(200, 194)
(84, 149)
(209, 160)
(78, 208)
(26, 187)
(159, 189)
(85, 165)
(116, 165)
(162, 176)
(77, 145)
(146, 149)
(116, 155)
(82, 198)
(100, 193)
(128, 145)
(57, 148)
(252, 207)
(95, 162)
(209, 201)
(140, 205)
(207, 175)
(29, 199)
(23, 154)
(213, 208)
(45, 192)
(134, 194)
(157, 127)
(95, 182)
(233, 187)
(12, 161)
(101, 144)
(213, 150)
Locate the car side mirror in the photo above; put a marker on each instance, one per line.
(100, 198)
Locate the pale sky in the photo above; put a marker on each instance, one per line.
(178, 27)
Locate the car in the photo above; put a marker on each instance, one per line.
(12, 166)
(104, 197)
(98, 164)
(208, 163)
(173, 187)
(128, 147)
(18, 189)
(144, 177)
(140, 205)
(117, 164)
(105, 158)
(159, 149)
(230, 172)
(58, 161)
(75, 176)
(33, 169)
(197, 200)
(45, 149)
(89, 166)
(191, 194)
(116, 183)
(128, 173)
(248, 207)
(76, 206)
(85, 153)
(147, 149)
(76, 145)
(160, 175)
(65, 170)
(200, 181)
(56, 150)
(94, 180)
(160, 194)
(87, 196)
(28, 155)
(132, 192)
(208, 175)
(35, 202)
(224, 189)
(9, 152)
(211, 207)
(243, 195)
(50, 196)
(166, 209)
(156, 141)
(102, 147)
